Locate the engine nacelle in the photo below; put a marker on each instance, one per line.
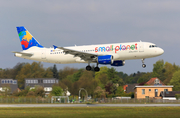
(118, 63)
(105, 59)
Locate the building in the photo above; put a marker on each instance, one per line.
(150, 91)
(153, 81)
(8, 84)
(170, 95)
(129, 88)
(47, 83)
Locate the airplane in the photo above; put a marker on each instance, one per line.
(113, 54)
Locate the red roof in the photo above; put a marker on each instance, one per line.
(151, 81)
(124, 87)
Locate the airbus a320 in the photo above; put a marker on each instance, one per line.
(113, 54)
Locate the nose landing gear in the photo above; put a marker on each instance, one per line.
(143, 65)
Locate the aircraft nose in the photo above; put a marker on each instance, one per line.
(161, 51)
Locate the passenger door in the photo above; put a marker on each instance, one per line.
(141, 47)
(43, 54)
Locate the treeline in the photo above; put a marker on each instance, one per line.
(106, 82)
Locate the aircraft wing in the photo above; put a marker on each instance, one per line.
(83, 55)
(23, 53)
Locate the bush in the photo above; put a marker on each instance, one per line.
(177, 96)
(21, 93)
(39, 91)
(131, 94)
(30, 93)
(56, 90)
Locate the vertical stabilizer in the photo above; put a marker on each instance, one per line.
(26, 39)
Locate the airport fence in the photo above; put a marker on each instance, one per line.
(39, 100)
(25, 100)
(132, 101)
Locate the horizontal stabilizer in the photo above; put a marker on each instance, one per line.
(23, 53)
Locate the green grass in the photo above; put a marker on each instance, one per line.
(89, 112)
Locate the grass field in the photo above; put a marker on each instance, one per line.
(89, 112)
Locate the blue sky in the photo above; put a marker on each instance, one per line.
(83, 22)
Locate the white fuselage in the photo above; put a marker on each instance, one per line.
(120, 51)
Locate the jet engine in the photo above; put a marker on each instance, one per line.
(105, 59)
(118, 63)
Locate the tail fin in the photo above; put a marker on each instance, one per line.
(26, 39)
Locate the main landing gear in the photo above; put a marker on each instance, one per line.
(96, 69)
(88, 68)
(143, 65)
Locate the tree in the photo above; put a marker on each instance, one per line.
(6, 73)
(120, 82)
(55, 72)
(175, 81)
(102, 80)
(88, 82)
(144, 78)
(120, 90)
(77, 75)
(66, 71)
(16, 69)
(99, 92)
(56, 90)
(103, 70)
(170, 69)
(112, 75)
(67, 85)
(111, 88)
(48, 73)
(158, 70)
(34, 70)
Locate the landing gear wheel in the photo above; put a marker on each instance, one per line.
(96, 69)
(144, 65)
(88, 68)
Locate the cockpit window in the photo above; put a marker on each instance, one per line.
(152, 46)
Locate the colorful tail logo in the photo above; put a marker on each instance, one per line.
(26, 39)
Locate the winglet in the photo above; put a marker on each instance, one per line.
(55, 47)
